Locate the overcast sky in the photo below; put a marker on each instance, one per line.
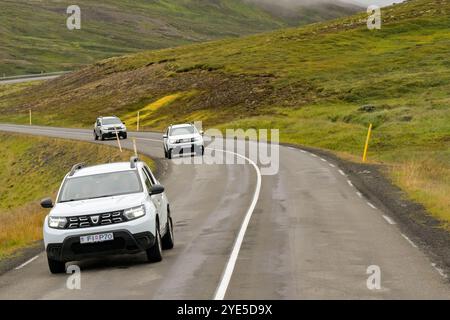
(377, 2)
(291, 3)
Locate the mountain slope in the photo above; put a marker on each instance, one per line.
(321, 85)
(35, 37)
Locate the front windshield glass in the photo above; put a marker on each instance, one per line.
(110, 121)
(100, 186)
(182, 131)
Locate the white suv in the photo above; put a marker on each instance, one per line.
(108, 127)
(107, 209)
(183, 138)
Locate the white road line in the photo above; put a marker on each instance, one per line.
(228, 272)
(303, 151)
(371, 205)
(388, 219)
(409, 240)
(313, 155)
(342, 172)
(350, 183)
(292, 148)
(332, 165)
(359, 194)
(27, 262)
(439, 270)
(323, 160)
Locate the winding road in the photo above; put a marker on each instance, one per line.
(304, 233)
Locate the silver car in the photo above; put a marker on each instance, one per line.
(107, 127)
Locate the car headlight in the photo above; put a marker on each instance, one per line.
(134, 213)
(197, 139)
(57, 222)
(172, 140)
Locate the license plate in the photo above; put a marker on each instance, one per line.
(94, 238)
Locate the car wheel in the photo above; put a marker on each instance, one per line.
(56, 266)
(103, 137)
(169, 154)
(168, 239)
(124, 136)
(154, 254)
(95, 136)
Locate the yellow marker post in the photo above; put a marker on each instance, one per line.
(118, 140)
(366, 147)
(137, 121)
(30, 117)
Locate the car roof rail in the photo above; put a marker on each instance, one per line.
(133, 161)
(76, 167)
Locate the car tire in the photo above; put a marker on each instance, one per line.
(103, 137)
(169, 154)
(124, 136)
(168, 239)
(154, 254)
(95, 136)
(56, 266)
(165, 153)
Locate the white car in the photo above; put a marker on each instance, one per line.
(182, 138)
(108, 127)
(107, 209)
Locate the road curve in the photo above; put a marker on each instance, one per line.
(310, 236)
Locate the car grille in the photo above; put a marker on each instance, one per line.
(185, 140)
(95, 220)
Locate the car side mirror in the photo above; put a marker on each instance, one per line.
(47, 203)
(202, 132)
(156, 189)
(165, 136)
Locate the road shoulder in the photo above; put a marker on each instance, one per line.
(413, 220)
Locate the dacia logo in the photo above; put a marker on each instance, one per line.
(95, 219)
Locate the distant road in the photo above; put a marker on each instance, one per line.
(31, 77)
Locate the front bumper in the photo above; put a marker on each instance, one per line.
(112, 134)
(124, 243)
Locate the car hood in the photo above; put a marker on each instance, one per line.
(96, 206)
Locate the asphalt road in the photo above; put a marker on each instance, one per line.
(309, 236)
(37, 77)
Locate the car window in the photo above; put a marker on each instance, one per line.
(148, 182)
(100, 186)
(179, 131)
(111, 121)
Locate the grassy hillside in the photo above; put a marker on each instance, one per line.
(35, 37)
(32, 168)
(321, 85)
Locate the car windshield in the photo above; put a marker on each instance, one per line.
(100, 186)
(110, 121)
(182, 131)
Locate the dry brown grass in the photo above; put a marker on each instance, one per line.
(20, 227)
(428, 182)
